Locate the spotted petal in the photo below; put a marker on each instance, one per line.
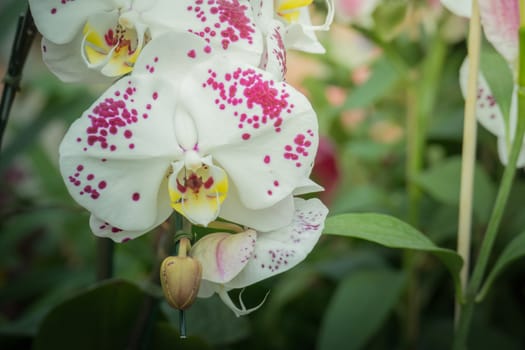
(60, 21)
(104, 229)
(225, 25)
(223, 255)
(500, 20)
(488, 111)
(261, 132)
(280, 250)
(116, 156)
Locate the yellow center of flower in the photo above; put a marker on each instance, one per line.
(115, 49)
(198, 193)
(289, 9)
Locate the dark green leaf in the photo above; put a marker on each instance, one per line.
(359, 307)
(394, 233)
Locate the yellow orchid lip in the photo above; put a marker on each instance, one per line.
(198, 194)
(289, 9)
(117, 48)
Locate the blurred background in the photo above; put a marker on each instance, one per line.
(390, 113)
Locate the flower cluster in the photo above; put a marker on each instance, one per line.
(198, 119)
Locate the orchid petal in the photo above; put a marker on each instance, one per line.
(301, 35)
(500, 20)
(271, 218)
(67, 64)
(103, 229)
(225, 25)
(274, 59)
(223, 294)
(115, 157)
(503, 152)
(60, 21)
(280, 250)
(262, 133)
(223, 255)
(488, 111)
(307, 186)
(461, 8)
(206, 289)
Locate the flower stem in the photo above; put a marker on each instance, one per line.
(105, 250)
(468, 160)
(460, 341)
(25, 33)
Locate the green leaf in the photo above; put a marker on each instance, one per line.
(101, 318)
(384, 77)
(359, 307)
(513, 251)
(442, 182)
(393, 233)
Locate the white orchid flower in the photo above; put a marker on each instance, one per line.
(489, 114)
(231, 261)
(91, 40)
(291, 19)
(206, 136)
(462, 8)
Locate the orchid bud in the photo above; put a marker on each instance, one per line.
(180, 277)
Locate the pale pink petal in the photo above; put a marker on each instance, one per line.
(261, 132)
(116, 156)
(274, 58)
(280, 250)
(461, 8)
(60, 20)
(223, 255)
(500, 20)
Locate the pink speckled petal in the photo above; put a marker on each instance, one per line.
(224, 255)
(461, 8)
(500, 20)
(280, 250)
(66, 62)
(271, 218)
(274, 58)
(263, 133)
(157, 57)
(59, 21)
(104, 229)
(224, 25)
(488, 112)
(115, 157)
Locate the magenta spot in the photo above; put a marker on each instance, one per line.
(207, 49)
(80, 167)
(102, 185)
(156, 59)
(53, 11)
(276, 183)
(128, 134)
(245, 136)
(267, 159)
(155, 95)
(90, 177)
(131, 146)
(135, 196)
(192, 54)
(269, 192)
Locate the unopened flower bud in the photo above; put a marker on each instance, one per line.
(180, 277)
